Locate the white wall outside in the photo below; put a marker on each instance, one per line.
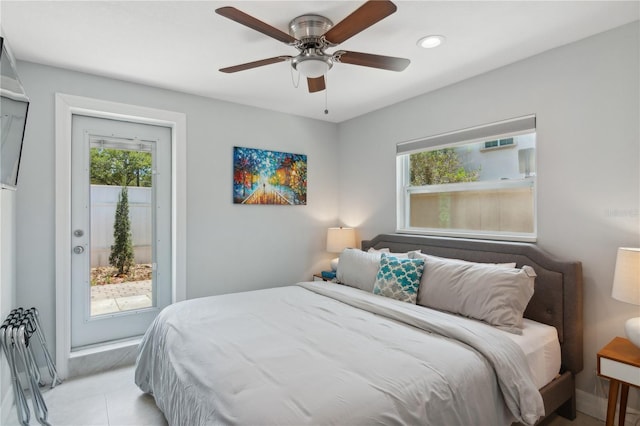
(499, 163)
(104, 200)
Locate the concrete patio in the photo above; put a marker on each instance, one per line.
(110, 298)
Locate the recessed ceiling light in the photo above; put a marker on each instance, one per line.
(431, 41)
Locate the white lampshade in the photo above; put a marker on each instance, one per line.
(626, 286)
(339, 239)
(626, 279)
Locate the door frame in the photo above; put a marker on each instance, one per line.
(67, 105)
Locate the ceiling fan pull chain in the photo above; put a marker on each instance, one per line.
(326, 94)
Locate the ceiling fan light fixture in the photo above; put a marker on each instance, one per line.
(430, 41)
(312, 66)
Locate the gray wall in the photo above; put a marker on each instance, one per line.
(7, 284)
(230, 247)
(586, 98)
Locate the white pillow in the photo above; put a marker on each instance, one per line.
(491, 293)
(419, 255)
(358, 269)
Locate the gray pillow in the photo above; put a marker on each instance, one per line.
(492, 293)
(408, 254)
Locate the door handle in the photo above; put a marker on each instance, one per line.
(78, 249)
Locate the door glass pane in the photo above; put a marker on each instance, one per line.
(121, 194)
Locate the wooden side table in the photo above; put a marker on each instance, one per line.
(319, 277)
(619, 362)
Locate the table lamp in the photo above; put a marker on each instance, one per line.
(339, 239)
(626, 287)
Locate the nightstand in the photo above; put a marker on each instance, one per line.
(619, 362)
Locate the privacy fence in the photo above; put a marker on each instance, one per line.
(104, 199)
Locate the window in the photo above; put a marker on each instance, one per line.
(462, 184)
(498, 143)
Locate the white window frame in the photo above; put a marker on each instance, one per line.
(500, 130)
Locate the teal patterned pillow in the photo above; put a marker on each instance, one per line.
(398, 278)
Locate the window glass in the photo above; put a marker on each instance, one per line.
(482, 189)
(498, 143)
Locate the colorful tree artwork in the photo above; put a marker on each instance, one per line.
(269, 177)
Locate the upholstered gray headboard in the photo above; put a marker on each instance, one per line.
(557, 300)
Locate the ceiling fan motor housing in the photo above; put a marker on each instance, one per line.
(312, 61)
(309, 27)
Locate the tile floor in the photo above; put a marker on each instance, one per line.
(112, 399)
(104, 399)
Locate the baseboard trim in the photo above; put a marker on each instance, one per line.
(99, 358)
(105, 347)
(596, 406)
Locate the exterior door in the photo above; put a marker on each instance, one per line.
(121, 228)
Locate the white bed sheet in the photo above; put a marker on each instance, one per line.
(541, 346)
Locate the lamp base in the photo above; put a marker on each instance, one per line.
(632, 329)
(334, 264)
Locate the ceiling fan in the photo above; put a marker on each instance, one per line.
(313, 34)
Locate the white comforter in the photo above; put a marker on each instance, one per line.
(319, 353)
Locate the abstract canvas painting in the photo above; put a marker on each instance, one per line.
(269, 177)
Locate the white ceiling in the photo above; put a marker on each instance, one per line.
(180, 45)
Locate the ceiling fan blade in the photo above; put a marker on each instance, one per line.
(255, 64)
(316, 84)
(362, 18)
(255, 24)
(374, 61)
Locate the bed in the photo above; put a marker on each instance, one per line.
(324, 353)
